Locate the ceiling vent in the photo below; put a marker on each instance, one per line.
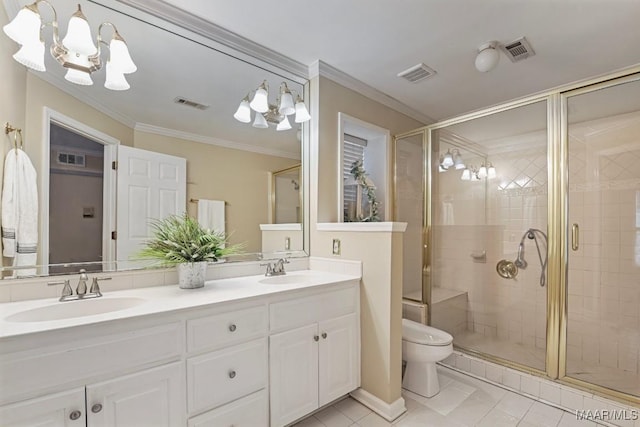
(189, 103)
(417, 73)
(518, 49)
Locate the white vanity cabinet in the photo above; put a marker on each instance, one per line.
(148, 398)
(316, 357)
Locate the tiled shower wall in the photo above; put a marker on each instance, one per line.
(491, 217)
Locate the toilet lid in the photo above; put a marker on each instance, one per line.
(423, 334)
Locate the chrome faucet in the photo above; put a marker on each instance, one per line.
(277, 268)
(81, 289)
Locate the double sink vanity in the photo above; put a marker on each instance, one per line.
(246, 351)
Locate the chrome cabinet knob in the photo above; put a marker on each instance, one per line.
(75, 415)
(316, 338)
(324, 335)
(232, 327)
(96, 408)
(232, 374)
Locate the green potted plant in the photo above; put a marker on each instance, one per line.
(179, 240)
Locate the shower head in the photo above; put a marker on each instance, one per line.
(520, 261)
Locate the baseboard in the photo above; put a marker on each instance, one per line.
(388, 411)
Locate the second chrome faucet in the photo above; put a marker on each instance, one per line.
(81, 288)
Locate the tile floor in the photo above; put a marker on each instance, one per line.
(462, 401)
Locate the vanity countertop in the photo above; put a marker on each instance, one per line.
(161, 299)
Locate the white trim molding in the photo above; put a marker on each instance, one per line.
(385, 227)
(388, 411)
(321, 68)
(281, 227)
(172, 133)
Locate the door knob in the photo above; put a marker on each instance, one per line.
(232, 374)
(75, 415)
(232, 327)
(96, 408)
(324, 335)
(316, 338)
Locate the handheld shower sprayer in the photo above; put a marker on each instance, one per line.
(520, 261)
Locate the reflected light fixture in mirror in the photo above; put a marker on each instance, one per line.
(272, 113)
(76, 52)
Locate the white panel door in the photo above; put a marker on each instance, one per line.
(293, 379)
(339, 367)
(153, 398)
(64, 409)
(150, 185)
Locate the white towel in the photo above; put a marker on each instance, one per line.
(20, 211)
(211, 214)
(447, 213)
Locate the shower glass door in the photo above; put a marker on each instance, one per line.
(410, 177)
(489, 205)
(603, 278)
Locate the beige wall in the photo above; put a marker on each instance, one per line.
(240, 178)
(380, 252)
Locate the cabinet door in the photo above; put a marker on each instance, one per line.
(293, 359)
(57, 410)
(339, 357)
(152, 398)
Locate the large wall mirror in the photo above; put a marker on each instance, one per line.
(176, 120)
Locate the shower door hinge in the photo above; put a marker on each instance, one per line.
(114, 165)
(114, 235)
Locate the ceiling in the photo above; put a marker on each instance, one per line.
(373, 41)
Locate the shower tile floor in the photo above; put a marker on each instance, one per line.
(462, 401)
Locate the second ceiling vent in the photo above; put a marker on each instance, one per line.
(518, 50)
(417, 73)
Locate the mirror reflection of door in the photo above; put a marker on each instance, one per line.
(76, 182)
(286, 196)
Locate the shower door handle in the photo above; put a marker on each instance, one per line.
(575, 237)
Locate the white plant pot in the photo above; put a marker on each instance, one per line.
(191, 275)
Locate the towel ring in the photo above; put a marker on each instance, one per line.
(17, 131)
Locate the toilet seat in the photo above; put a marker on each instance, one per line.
(422, 334)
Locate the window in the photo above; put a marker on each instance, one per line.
(353, 150)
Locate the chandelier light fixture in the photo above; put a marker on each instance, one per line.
(266, 113)
(76, 52)
(472, 173)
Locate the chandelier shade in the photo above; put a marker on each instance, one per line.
(25, 27)
(31, 55)
(267, 113)
(77, 52)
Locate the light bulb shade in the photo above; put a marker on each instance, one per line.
(119, 56)
(284, 124)
(487, 59)
(302, 115)
(260, 101)
(491, 172)
(115, 80)
(447, 160)
(482, 172)
(458, 162)
(78, 38)
(25, 27)
(78, 77)
(260, 122)
(243, 113)
(31, 55)
(441, 169)
(286, 103)
(466, 175)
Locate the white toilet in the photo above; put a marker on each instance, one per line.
(422, 347)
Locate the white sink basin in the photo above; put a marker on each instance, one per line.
(282, 280)
(71, 309)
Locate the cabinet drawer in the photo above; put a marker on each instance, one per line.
(216, 378)
(302, 311)
(250, 411)
(225, 329)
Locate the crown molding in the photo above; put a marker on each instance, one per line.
(224, 40)
(172, 133)
(78, 93)
(321, 68)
